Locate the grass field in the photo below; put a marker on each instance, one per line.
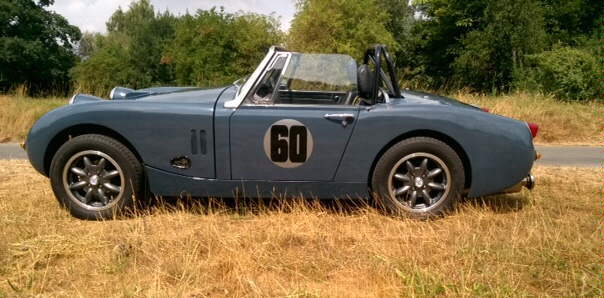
(544, 243)
(18, 114)
(560, 122)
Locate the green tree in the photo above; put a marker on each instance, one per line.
(570, 22)
(566, 72)
(215, 48)
(479, 44)
(131, 54)
(490, 56)
(343, 26)
(437, 32)
(36, 47)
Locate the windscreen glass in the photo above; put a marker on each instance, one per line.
(320, 72)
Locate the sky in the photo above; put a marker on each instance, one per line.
(91, 15)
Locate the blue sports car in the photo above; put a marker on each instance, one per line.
(315, 125)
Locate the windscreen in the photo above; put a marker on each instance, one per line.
(320, 72)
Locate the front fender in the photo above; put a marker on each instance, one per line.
(159, 131)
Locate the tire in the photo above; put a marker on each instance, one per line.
(394, 182)
(90, 188)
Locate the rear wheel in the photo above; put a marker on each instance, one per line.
(96, 177)
(418, 177)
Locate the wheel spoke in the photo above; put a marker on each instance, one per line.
(435, 185)
(424, 165)
(78, 171)
(413, 198)
(88, 196)
(78, 185)
(111, 174)
(101, 164)
(427, 198)
(401, 177)
(101, 195)
(87, 163)
(410, 167)
(111, 187)
(434, 172)
(402, 190)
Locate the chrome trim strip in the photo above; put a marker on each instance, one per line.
(245, 89)
(112, 93)
(72, 99)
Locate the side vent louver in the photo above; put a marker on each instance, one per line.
(203, 142)
(193, 141)
(196, 144)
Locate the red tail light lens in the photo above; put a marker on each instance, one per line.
(534, 129)
(486, 110)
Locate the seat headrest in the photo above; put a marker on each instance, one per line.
(366, 80)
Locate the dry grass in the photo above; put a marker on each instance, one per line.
(18, 114)
(560, 122)
(544, 243)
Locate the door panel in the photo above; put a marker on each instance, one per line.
(289, 143)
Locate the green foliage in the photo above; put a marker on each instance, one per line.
(215, 48)
(344, 26)
(437, 39)
(475, 44)
(143, 48)
(130, 54)
(565, 72)
(568, 21)
(489, 56)
(35, 47)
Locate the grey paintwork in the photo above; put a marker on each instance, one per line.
(159, 127)
(499, 150)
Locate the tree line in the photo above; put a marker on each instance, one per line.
(487, 46)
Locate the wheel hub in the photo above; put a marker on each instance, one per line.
(94, 180)
(419, 182)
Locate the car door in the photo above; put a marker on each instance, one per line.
(290, 140)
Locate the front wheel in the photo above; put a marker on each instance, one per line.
(96, 177)
(419, 177)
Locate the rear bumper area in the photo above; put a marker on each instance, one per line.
(528, 182)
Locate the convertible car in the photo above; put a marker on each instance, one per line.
(316, 125)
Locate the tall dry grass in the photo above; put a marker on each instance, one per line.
(560, 122)
(544, 243)
(18, 114)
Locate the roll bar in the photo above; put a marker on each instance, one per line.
(376, 54)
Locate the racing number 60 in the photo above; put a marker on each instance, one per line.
(288, 143)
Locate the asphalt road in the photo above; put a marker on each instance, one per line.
(574, 156)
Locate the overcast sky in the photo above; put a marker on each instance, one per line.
(91, 15)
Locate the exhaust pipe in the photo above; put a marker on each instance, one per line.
(528, 182)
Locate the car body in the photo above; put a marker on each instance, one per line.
(238, 141)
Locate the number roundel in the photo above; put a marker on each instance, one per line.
(288, 143)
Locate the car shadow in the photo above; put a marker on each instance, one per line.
(255, 206)
(504, 203)
(349, 206)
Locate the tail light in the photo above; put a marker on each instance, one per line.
(534, 128)
(486, 110)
